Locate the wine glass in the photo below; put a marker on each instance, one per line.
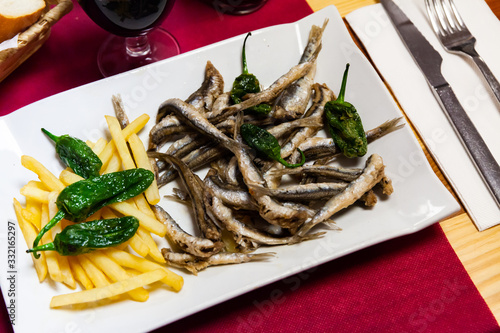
(137, 40)
(236, 7)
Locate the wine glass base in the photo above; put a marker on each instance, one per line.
(114, 58)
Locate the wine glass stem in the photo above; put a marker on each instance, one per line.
(137, 46)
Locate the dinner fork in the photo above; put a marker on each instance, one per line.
(456, 37)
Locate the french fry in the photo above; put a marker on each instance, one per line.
(134, 127)
(50, 256)
(107, 213)
(133, 272)
(105, 155)
(29, 232)
(99, 146)
(116, 273)
(33, 212)
(38, 184)
(68, 177)
(143, 205)
(114, 289)
(45, 176)
(95, 275)
(138, 245)
(142, 161)
(95, 216)
(114, 164)
(145, 220)
(154, 252)
(79, 273)
(126, 259)
(120, 143)
(35, 193)
(65, 271)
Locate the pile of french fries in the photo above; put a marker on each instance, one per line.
(121, 271)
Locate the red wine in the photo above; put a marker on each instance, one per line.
(236, 7)
(127, 18)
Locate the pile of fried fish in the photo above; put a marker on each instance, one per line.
(242, 203)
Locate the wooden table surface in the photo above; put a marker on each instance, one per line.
(479, 252)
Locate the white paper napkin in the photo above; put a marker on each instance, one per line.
(9, 43)
(375, 30)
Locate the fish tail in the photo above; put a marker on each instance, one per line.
(261, 256)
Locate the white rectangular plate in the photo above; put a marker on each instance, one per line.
(419, 199)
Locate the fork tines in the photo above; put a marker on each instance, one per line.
(444, 16)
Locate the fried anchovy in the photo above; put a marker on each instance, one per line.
(120, 111)
(294, 99)
(164, 130)
(371, 175)
(265, 95)
(197, 246)
(314, 42)
(203, 98)
(185, 145)
(324, 171)
(226, 217)
(230, 195)
(304, 192)
(211, 88)
(232, 172)
(194, 160)
(195, 188)
(316, 148)
(195, 264)
(322, 95)
(220, 104)
(270, 209)
(283, 128)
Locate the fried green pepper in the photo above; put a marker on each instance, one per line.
(81, 199)
(85, 237)
(345, 124)
(264, 142)
(76, 154)
(247, 83)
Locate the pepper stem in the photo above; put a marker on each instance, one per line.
(243, 55)
(44, 247)
(340, 98)
(58, 217)
(285, 163)
(50, 135)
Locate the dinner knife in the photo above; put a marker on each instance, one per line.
(429, 61)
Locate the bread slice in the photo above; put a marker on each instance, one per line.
(16, 15)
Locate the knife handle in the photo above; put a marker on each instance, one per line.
(472, 140)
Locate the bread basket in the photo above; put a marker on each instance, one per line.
(31, 39)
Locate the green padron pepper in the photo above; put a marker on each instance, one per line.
(85, 237)
(81, 199)
(76, 154)
(264, 142)
(345, 124)
(247, 83)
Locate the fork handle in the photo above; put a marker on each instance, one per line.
(488, 75)
(472, 140)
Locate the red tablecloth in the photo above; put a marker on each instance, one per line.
(411, 284)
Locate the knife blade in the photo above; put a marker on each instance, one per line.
(429, 61)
